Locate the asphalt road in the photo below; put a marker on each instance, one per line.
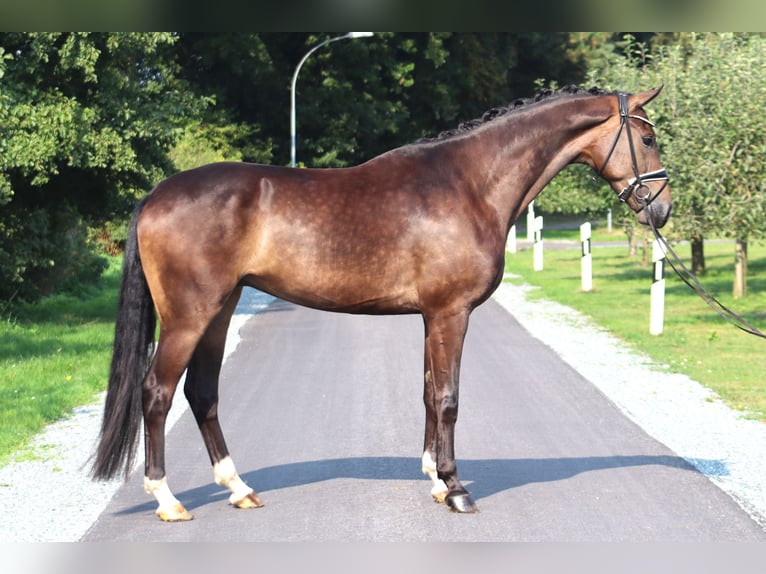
(324, 418)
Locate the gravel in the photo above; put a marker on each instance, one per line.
(46, 494)
(48, 497)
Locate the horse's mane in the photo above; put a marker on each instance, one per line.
(513, 106)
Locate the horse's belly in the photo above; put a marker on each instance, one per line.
(365, 292)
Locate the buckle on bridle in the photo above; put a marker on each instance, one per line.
(636, 183)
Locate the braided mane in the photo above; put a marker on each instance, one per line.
(513, 106)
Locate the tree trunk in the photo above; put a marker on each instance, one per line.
(698, 255)
(740, 268)
(632, 249)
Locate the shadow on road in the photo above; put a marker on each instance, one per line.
(483, 478)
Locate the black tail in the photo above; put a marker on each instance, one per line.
(133, 337)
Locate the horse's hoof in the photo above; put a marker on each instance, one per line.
(461, 502)
(250, 501)
(175, 513)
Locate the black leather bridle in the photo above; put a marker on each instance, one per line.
(635, 184)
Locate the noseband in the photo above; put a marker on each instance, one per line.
(637, 182)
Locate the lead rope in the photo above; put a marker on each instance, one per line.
(691, 280)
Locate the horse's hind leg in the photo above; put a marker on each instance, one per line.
(181, 332)
(201, 390)
(173, 352)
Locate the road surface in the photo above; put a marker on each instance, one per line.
(324, 418)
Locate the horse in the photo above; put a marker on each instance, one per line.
(420, 229)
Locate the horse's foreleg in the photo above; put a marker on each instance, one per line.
(438, 489)
(445, 333)
(201, 390)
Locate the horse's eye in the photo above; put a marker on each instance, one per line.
(648, 140)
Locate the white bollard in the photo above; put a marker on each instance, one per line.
(586, 265)
(609, 220)
(531, 221)
(657, 311)
(510, 244)
(538, 247)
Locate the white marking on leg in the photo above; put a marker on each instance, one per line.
(439, 489)
(161, 491)
(226, 475)
(169, 507)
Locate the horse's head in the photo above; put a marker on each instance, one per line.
(630, 162)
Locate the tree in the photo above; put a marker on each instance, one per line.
(715, 115)
(86, 121)
(359, 98)
(238, 72)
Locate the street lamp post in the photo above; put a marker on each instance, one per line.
(295, 79)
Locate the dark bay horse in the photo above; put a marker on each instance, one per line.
(419, 229)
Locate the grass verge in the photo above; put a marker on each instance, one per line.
(54, 356)
(695, 341)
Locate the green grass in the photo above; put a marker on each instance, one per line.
(695, 341)
(54, 356)
(599, 234)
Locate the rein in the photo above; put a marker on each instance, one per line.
(694, 283)
(634, 185)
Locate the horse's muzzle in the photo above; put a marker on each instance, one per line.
(658, 210)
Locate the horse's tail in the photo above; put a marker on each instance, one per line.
(133, 339)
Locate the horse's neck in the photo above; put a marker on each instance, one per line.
(528, 150)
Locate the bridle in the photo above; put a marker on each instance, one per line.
(634, 186)
(635, 183)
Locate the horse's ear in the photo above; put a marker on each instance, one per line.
(640, 100)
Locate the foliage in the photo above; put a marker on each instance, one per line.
(713, 110)
(201, 144)
(358, 98)
(86, 120)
